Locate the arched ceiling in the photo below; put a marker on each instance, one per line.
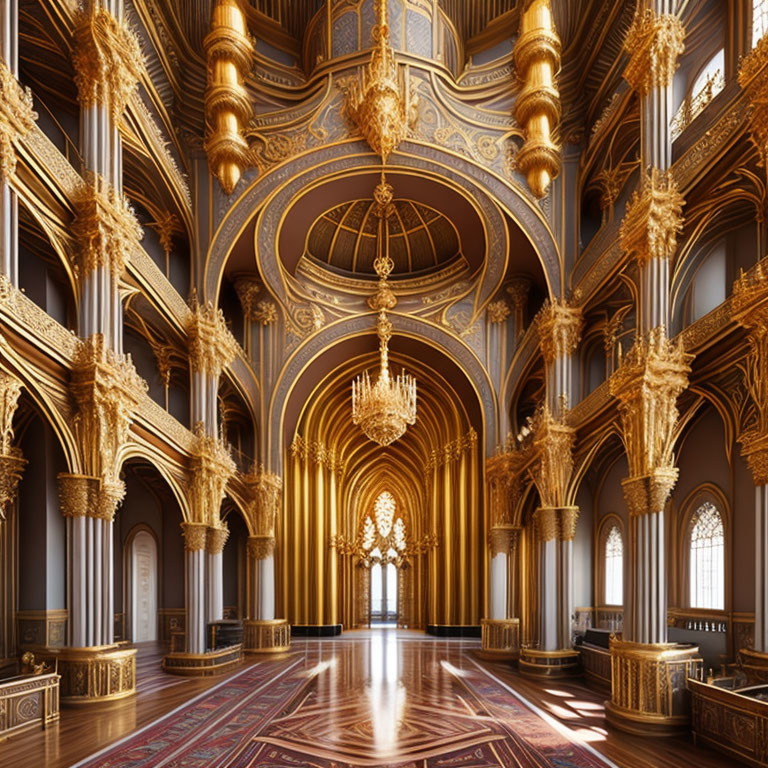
(346, 236)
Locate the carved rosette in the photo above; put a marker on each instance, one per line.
(653, 219)
(105, 227)
(228, 109)
(753, 78)
(211, 345)
(216, 538)
(559, 325)
(211, 468)
(654, 43)
(195, 536)
(261, 547)
(107, 58)
(647, 385)
(17, 118)
(537, 107)
(750, 308)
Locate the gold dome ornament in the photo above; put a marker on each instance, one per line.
(383, 410)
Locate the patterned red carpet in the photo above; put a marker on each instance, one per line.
(375, 699)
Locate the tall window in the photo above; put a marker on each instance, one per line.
(614, 567)
(707, 558)
(759, 20)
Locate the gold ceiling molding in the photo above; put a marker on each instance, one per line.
(228, 109)
(654, 218)
(537, 107)
(105, 228)
(381, 105)
(211, 345)
(647, 384)
(107, 390)
(17, 118)
(750, 310)
(107, 58)
(12, 462)
(559, 324)
(753, 78)
(211, 467)
(654, 43)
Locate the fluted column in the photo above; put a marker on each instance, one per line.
(261, 577)
(195, 537)
(214, 547)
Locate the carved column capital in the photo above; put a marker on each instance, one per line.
(261, 547)
(88, 496)
(17, 118)
(649, 494)
(503, 539)
(498, 311)
(195, 536)
(553, 441)
(216, 538)
(654, 43)
(211, 345)
(545, 522)
(107, 58)
(654, 218)
(559, 326)
(265, 500)
(211, 468)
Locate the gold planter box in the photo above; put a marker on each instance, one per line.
(28, 701)
(535, 663)
(648, 686)
(269, 636)
(500, 638)
(96, 674)
(203, 664)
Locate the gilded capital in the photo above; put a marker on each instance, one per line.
(648, 494)
(12, 466)
(195, 536)
(211, 468)
(87, 496)
(653, 220)
(553, 442)
(261, 547)
(568, 519)
(17, 118)
(265, 491)
(503, 480)
(654, 43)
(498, 311)
(559, 325)
(545, 522)
(503, 540)
(216, 538)
(105, 228)
(211, 345)
(107, 58)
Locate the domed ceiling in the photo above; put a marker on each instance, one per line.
(345, 238)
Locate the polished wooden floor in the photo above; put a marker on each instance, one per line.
(566, 705)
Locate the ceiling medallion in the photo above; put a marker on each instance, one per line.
(383, 410)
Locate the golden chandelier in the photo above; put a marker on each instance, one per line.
(385, 409)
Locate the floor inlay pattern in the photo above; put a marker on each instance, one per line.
(368, 699)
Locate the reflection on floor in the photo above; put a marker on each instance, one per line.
(376, 698)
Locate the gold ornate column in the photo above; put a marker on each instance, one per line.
(750, 309)
(228, 109)
(12, 462)
(537, 108)
(263, 632)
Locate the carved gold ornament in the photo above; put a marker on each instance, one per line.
(537, 107)
(385, 409)
(195, 536)
(17, 118)
(265, 495)
(211, 345)
(228, 107)
(653, 219)
(502, 540)
(750, 309)
(498, 311)
(216, 538)
(107, 59)
(553, 442)
(261, 547)
(559, 325)
(12, 462)
(106, 228)
(380, 106)
(654, 43)
(211, 468)
(647, 384)
(753, 78)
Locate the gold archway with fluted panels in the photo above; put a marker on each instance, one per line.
(333, 476)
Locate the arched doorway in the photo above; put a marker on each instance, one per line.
(143, 584)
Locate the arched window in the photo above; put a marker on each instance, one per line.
(707, 559)
(759, 20)
(614, 567)
(708, 83)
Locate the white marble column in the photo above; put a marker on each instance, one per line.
(195, 535)
(216, 538)
(261, 576)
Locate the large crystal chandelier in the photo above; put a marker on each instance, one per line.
(385, 409)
